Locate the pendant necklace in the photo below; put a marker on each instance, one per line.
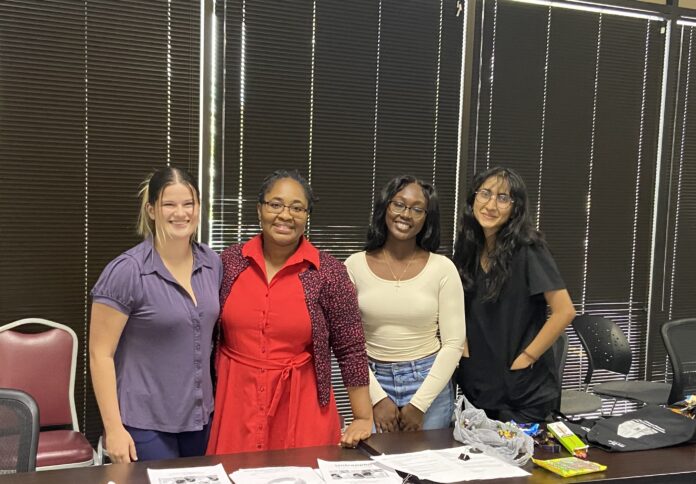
(386, 261)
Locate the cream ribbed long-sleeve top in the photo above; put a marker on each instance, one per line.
(401, 322)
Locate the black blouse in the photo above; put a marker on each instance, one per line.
(498, 332)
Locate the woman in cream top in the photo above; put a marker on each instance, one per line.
(412, 307)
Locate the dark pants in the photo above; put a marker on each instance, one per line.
(154, 445)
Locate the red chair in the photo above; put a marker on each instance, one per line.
(43, 365)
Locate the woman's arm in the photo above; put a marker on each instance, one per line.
(347, 339)
(562, 314)
(361, 426)
(106, 326)
(385, 412)
(452, 328)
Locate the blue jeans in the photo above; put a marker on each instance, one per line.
(401, 380)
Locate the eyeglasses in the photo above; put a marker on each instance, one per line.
(502, 200)
(400, 207)
(276, 207)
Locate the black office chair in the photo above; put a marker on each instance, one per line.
(679, 337)
(573, 402)
(19, 431)
(608, 349)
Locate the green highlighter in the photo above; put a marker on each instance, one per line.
(568, 439)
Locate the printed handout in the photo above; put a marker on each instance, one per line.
(189, 475)
(357, 472)
(450, 465)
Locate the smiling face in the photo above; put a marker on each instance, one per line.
(176, 213)
(489, 213)
(407, 224)
(285, 228)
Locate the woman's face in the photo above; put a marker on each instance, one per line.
(406, 213)
(284, 228)
(177, 212)
(488, 210)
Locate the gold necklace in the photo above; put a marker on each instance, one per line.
(386, 261)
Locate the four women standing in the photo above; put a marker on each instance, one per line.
(285, 305)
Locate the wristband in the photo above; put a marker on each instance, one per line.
(524, 352)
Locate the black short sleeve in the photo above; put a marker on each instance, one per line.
(542, 273)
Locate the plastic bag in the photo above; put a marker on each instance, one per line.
(505, 441)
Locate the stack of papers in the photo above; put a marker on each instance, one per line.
(445, 466)
(451, 465)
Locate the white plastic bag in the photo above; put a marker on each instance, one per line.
(472, 427)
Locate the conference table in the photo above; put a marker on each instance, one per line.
(136, 473)
(671, 465)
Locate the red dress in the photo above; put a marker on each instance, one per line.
(267, 391)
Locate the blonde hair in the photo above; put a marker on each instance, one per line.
(150, 194)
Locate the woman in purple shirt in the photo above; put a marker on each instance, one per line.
(153, 312)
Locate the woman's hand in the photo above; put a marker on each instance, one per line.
(521, 362)
(120, 446)
(411, 418)
(359, 429)
(386, 415)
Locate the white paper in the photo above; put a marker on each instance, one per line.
(445, 466)
(357, 472)
(277, 475)
(189, 475)
(481, 466)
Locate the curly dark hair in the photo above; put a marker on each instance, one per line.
(270, 180)
(470, 241)
(429, 236)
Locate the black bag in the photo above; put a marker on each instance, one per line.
(650, 427)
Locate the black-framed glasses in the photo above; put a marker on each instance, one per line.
(503, 200)
(400, 207)
(277, 207)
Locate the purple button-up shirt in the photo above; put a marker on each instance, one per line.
(163, 357)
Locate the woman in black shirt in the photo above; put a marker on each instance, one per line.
(509, 280)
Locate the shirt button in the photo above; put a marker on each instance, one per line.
(263, 350)
(258, 446)
(261, 389)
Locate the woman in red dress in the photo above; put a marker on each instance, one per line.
(285, 306)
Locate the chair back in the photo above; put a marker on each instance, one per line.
(560, 353)
(43, 365)
(19, 431)
(679, 337)
(604, 343)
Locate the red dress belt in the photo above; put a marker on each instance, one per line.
(290, 369)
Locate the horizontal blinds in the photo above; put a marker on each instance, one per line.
(674, 294)
(92, 98)
(351, 94)
(570, 99)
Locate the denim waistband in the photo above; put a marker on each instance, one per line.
(398, 367)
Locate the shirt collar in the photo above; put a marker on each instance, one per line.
(153, 262)
(253, 249)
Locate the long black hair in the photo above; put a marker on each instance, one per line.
(429, 236)
(518, 230)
